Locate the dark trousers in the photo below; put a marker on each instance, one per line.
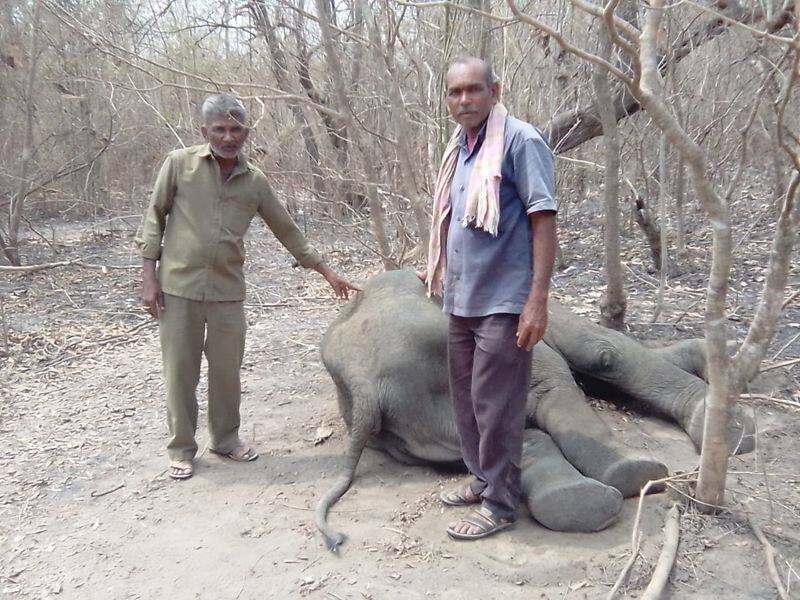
(489, 380)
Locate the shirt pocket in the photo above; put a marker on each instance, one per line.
(237, 214)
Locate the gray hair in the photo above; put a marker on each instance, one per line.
(225, 106)
(474, 60)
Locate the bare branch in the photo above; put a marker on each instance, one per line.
(592, 58)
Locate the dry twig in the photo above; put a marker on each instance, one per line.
(789, 300)
(636, 537)
(672, 530)
(769, 553)
(786, 363)
(96, 494)
(35, 268)
(64, 263)
(771, 399)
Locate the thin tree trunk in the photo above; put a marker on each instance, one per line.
(4, 325)
(11, 249)
(679, 184)
(776, 157)
(744, 365)
(280, 70)
(481, 30)
(359, 9)
(87, 178)
(680, 200)
(377, 213)
(335, 127)
(663, 150)
(651, 229)
(613, 303)
(401, 126)
(714, 454)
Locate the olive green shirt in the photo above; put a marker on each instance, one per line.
(201, 222)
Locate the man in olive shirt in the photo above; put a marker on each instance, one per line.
(202, 204)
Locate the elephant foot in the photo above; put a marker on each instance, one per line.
(741, 429)
(629, 475)
(580, 504)
(558, 496)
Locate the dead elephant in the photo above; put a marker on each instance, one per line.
(386, 353)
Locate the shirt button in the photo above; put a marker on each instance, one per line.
(461, 188)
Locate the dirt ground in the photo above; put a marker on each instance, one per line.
(86, 510)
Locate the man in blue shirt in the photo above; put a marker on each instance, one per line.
(494, 229)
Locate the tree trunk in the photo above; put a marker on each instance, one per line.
(11, 249)
(663, 268)
(479, 30)
(401, 127)
(744, 365)
(651, 230)
(377, 213)
(613, 302)
(719, 403)
(336, 127)
(680, 200)
(280, 70)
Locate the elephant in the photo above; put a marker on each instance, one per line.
(386, 353)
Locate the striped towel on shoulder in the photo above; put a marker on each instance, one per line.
(482, 209)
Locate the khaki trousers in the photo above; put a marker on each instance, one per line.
(187, 329)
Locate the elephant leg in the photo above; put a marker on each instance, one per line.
(557, 495)
(602, 355)
(559, 407)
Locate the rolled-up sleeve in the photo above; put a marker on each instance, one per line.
(285, 229)
(155, 218)
(534, 173)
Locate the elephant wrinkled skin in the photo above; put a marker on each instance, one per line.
(386, 353)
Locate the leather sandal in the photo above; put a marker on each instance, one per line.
(239, 454)
(181, 469)
(463, 496)
(483, 522)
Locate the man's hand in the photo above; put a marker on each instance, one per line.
(532, 323)
(422, 275)
(341, 287)
(152, 296)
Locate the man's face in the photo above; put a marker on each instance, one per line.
(226, 136)
(469, 97)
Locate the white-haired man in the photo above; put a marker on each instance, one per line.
(192, 281)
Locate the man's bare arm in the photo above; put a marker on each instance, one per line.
(341, 287)
(152, 296)
(533, 320)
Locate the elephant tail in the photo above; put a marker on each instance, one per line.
(360, 431)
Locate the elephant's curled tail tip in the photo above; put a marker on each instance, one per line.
(332, 542)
